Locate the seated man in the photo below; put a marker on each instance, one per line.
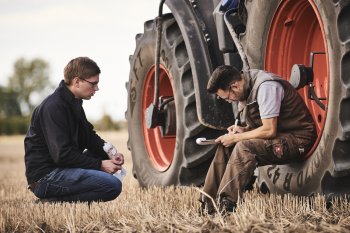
(276, 128)
(64, 157)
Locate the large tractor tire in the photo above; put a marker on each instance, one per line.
(282, 33)
(175, 159)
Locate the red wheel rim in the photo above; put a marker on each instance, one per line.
(160, 149)
(295, 32)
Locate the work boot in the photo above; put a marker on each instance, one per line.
(206, 208)
(227, 206)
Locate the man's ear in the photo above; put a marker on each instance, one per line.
(234, 84)
(75, 81)
(237, 83)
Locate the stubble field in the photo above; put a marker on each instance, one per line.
(170, 209)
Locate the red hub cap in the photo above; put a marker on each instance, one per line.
(160, 149)
(295, 32)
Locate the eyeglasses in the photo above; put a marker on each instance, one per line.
(228, 96)
(93, 84)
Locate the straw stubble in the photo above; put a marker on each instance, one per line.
(156, 209)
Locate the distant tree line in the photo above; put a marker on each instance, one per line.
(106, 123)
(29, 82)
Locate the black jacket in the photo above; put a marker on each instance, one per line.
(58, 134)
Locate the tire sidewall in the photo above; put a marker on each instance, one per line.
(141, 63)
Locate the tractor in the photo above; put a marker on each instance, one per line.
(304, 41)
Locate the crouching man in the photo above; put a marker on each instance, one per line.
(64, 157)
(276, 128)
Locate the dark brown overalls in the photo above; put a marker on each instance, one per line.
(232, 168)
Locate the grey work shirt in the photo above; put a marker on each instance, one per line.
(269, 97)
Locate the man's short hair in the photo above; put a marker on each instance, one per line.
(222, 77)
(82, 67)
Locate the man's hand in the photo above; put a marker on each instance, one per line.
(235, 129)
(266, 131)
(110, 166)
(118, 159)
(228, 139)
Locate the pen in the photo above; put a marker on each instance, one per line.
(234, 129)
(236, 122)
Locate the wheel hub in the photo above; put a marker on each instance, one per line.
(161, 138)
(301, 76)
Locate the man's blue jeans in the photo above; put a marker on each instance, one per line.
(76, 184)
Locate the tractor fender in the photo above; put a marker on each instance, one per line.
(198, 41)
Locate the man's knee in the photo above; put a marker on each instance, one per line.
(118, 188)
(115, 188)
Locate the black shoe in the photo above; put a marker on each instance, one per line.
(206, 208)
(227, 206)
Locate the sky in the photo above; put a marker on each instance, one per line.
(60, 30)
